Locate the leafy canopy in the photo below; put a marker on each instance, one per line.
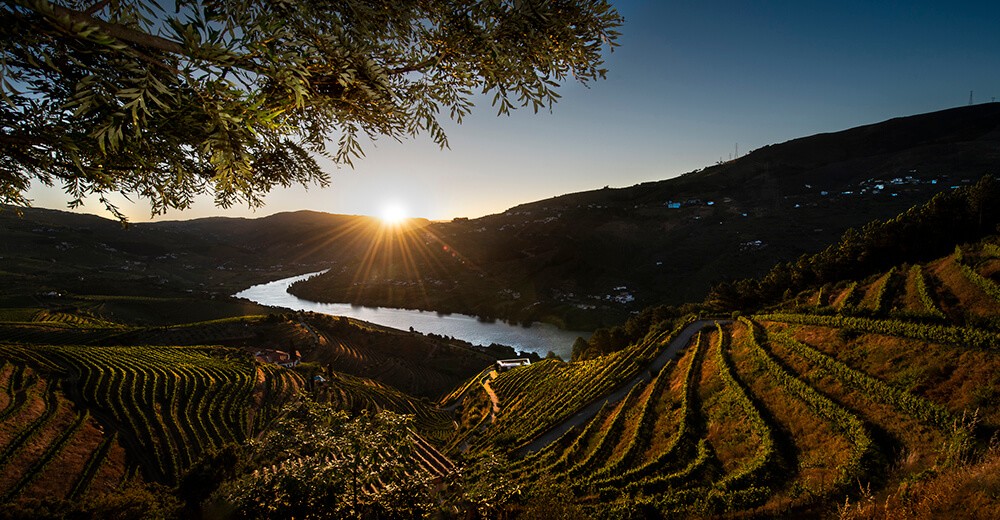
(316, 462)
(165, 101)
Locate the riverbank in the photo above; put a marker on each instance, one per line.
(468, 297)
(540, 338)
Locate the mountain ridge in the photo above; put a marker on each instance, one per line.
(579, 260)
(568, 255)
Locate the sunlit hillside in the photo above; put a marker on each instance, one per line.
(858, 380)
(854, 394)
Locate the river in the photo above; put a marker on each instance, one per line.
(539, 337)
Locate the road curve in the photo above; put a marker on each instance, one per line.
(590, 410)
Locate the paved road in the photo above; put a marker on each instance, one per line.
(589, 411)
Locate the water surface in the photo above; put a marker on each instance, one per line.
(539, 337)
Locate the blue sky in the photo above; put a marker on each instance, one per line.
(689, 81)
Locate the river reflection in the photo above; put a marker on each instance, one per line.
(540, 337)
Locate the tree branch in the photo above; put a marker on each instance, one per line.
(97, 7)
(116, 31)
(433, 60)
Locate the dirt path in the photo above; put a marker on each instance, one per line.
(590, 410)
(493, 395)
(311, 331)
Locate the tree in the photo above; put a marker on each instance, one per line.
(580, 347)
(234, 98)
(317, 462)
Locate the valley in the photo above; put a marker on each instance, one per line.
(810, 330)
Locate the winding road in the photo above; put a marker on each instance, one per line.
(590, 410)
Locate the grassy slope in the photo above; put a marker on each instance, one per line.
(931, 412)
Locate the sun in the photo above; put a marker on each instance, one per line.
(393, 213)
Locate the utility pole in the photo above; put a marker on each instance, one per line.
(970, 98)
(737, 154)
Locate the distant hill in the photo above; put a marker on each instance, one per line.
(581, 260)
(589, 258)
(48, 250)
(855, 397)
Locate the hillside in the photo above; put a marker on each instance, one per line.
(47, 250)
(580, 260)
(590, 258)
(857, 382)
(876, 391)
(94, 412)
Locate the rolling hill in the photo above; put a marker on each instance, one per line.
(580, 260)
(858, 382)
(871, 392)
(591, 258)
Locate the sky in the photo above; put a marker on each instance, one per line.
(691, 82)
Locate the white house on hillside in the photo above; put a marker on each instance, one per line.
(507, 364)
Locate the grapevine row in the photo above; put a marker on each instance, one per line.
(882, 292)
(32, 429)
(685, 429)
(984, 284)
(36, 469)
(757, 468)
(564, 389)
(960, 336)
(646, 422)
(922, 291)
(864, 453)
(173, 403)
(872, 387)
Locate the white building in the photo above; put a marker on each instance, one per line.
(506, 364)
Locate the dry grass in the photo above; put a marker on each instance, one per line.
(62, 473)
(632, 416)
(31, 451)
(956, 294)
(870, 299)
(592, 442)
(916, 445)
(838, 299)
(910, 299)
(971, 491)
(818, 448)
(111, 473)
(728, 433)
(6, 372)
(32, 408)
(668, 407)
(65, 468)
(959, 379)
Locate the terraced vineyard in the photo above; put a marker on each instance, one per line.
(842, 394)
(352, 393)
(534, 398)
(758, 415)
(166, 406)
(849, 393)
(50, 447)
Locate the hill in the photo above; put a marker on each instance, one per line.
(47, 250)
(589, 258)
(95, 413)
(856, 382)
(580, 260)
(866, 392)
(872, 391)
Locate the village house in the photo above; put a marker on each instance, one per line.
(504, 365)
(278, 357)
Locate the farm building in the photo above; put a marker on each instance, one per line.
(278, 357)
(506, 364)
